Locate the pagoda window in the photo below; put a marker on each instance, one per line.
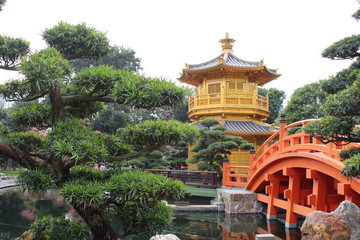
(235, 86)
(214, 88)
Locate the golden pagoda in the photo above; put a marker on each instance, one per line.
(227, 90)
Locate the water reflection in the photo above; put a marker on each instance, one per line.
(221, 226)
(18, 210)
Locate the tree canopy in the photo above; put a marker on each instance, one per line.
(118, 58)
(2, 3)
(342, 107)
(53, 140)
(276, 99)
(213, 145)
(305, 103)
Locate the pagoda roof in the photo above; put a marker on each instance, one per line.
(226, 59)
(248, 127)
(227, 62)
(245, 127)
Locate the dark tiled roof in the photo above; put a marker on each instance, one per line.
(229, 60)
(208, 64)
(232, 60)
(244, 127)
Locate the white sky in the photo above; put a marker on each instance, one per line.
(289, 35)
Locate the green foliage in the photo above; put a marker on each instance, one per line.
(276, 99)
(83, 109)
(70, 140)
(110, 120)
(139, 219)
(340, 125)
(96, 80)
(181, 110)
(12, 49)
(41, 70)
(356, 15)
(12, 173)
(77, 41)
(37, 180)
(27, 141)
(345, 102)
(209, 122)
(152, 133)
(44, 68)
(330, 128)
(347, 48)
(4, 130)
(115, 145)
(341, 80)
(352, 162)
(203, 166)
(347, 153)
(177, 155)
(305, 103)
(2, 3)
(55, 158)
(89, 193)
(86, 173)
(154, 160)
(134, 197)
(213, 145)
(352, 167)
(60, 229)
(119, 185)
(118, 58)
(147, 92)
(142, 187)
(31, 115)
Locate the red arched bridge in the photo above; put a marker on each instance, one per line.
(295, 173)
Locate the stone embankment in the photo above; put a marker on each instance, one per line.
(7, 182)
(233, 200)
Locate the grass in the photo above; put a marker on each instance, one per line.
(203, 192)
(12, 173)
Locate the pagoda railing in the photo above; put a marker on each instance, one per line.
(229, 100)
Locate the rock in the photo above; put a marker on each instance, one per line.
(351, 213)
(165, 237)
(239, 201)
(28, 235)
(325, 226)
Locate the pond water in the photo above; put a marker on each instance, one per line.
(18, 210)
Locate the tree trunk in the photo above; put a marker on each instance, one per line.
(57, 107)
(9, 165)
(97, 221)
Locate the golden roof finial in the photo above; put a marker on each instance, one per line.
(227, 43)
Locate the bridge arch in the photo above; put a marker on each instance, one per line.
(296, 173)
(322, 164)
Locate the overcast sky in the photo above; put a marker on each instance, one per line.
(289, 35)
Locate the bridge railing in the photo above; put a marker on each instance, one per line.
(283, 142)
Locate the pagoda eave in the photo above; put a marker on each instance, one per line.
(248, 133)
(260, 75)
